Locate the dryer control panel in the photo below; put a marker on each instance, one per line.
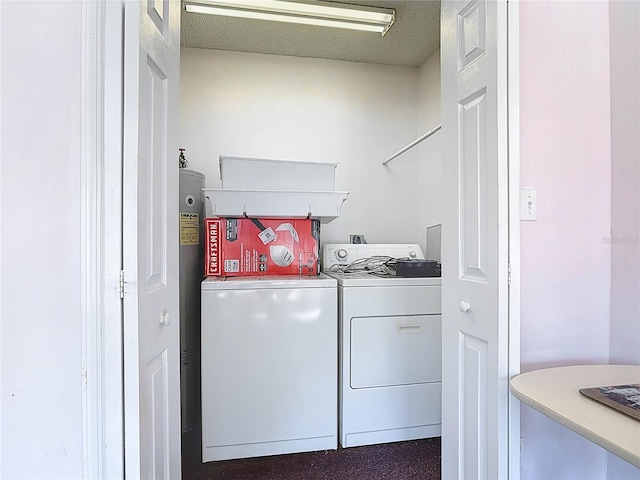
(347, 253)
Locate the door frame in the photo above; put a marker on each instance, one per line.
(513, 175)
(101, 245)
(101, 229)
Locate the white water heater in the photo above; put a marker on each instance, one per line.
(191, 275)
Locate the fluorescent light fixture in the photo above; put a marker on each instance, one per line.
(327, 14)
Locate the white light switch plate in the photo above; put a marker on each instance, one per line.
(528, 204)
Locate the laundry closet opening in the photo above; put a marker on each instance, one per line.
(281, 91)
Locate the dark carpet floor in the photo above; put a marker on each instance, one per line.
(411, 460)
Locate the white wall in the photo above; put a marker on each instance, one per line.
(565, 155)
(625, 182)
(354, 114)
(40, 284)
(624, 30)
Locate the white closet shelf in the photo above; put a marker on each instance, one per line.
(246, 173)
(324, 206)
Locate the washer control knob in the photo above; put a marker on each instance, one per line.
(412, 254)
(341, 254)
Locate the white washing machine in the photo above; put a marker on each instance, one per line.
(389, 347)
(269, 366)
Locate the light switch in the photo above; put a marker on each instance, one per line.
(528, 204)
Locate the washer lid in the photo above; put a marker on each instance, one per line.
(268, 282)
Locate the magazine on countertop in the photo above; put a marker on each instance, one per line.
(624, 398)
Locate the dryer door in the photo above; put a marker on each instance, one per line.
(395, 350)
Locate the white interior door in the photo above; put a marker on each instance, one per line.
(150, 239)
(475, 240)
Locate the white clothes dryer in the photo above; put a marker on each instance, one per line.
(390, 347)
(269, 366)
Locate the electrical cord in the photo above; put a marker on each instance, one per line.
(379, 264)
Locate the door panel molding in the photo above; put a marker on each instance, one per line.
(472, 183)
(472, 34)
(473, 432)
(157, 13)
(158, 414)
(154, 122)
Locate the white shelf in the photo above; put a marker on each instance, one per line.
(243, 173)
(275, 203)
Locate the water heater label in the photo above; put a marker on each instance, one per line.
(189, 229)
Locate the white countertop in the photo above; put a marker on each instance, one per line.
(554, 392)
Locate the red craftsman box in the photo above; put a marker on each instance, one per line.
(256, 246)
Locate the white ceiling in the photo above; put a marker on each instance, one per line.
(411, 40)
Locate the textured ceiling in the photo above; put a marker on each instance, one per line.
(411, 40)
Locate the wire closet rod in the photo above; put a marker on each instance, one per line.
(412, 144)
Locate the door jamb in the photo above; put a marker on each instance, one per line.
(101, 244)
(102, 374)
(513, 176)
